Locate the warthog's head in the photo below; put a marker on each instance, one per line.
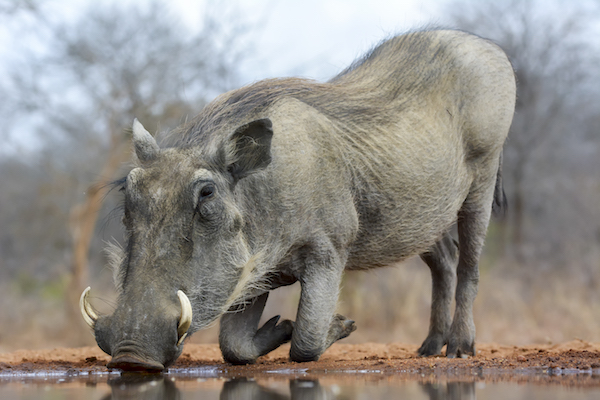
(185, 253)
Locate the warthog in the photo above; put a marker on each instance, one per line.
(290, 180)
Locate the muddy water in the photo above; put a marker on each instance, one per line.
(213, 383)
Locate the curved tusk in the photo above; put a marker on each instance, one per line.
(185, 320)
(87, 311)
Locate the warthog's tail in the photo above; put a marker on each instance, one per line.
(500, 204)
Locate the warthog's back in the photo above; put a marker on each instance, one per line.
(446, 101)
(400, 137)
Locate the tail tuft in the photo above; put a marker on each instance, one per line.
(500, 204)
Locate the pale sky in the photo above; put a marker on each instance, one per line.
(318, 38)
(312, 38)
(308, 38)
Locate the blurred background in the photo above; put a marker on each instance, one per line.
(74, 74)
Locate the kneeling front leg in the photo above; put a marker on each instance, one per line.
(240, 339)
(317, 326)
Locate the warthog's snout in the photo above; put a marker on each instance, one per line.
(131, 363)
(138, 338)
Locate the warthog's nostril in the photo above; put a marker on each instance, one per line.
(129, 363)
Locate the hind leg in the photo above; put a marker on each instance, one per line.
(473, 219)
(441, 259)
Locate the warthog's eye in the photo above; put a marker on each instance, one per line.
(204, 206)
(206, 192)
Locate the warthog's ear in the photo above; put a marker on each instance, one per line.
(250, 148)
(144, 144)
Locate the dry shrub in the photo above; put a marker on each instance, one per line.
(388, 305)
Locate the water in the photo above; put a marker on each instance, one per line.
(297, 384)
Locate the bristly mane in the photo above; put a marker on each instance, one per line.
(361, 96)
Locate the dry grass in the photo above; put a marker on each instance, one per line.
(388, 305)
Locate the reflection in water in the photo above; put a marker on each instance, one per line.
(142, 386)
(211, 385)
(450, 390)
(243, 388)
(139, 386)
(148, 387)
(237, 389)
(305, 390)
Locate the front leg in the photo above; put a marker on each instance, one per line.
(240, 339)
(317, 326)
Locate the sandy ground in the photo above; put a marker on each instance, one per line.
(571, 358)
